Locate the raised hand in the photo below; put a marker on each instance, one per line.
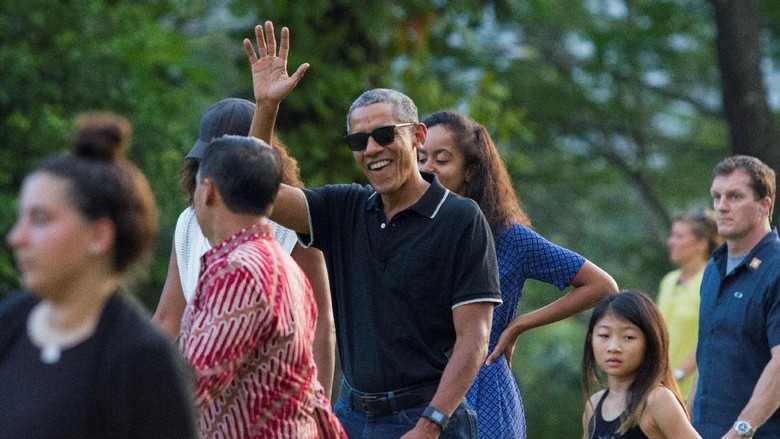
(270, 80)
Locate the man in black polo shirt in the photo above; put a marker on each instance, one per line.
(412, 266)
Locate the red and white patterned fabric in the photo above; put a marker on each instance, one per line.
(248, 334)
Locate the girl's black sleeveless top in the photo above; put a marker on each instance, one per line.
(608, 429)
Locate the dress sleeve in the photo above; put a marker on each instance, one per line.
(545, 261)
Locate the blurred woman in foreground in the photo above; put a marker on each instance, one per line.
(77, 358)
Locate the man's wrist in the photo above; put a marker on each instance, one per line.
(436, 416)
(743, 429)
(428, 428)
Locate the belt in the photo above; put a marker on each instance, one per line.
(390, 402)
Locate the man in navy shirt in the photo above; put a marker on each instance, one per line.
(412, 266)
(738, 354)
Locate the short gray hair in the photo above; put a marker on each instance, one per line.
(404, 109)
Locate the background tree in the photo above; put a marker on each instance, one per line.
(752, 124)
(62, 58)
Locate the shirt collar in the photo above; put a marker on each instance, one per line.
(249, 233)
(428, 205)
(752, 259)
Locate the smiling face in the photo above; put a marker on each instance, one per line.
(51, 238)
(739, 214)
(388, 168)
(441, 156)
(618, 346)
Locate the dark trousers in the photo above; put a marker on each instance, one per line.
(391, 418)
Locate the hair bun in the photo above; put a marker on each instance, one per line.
(102, 135)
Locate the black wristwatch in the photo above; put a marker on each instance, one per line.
(743, 429)
(436, 416)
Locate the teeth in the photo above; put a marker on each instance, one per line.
(379, 164)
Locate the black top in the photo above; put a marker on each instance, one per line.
(608, 429)
(395, 284)
(125, 381)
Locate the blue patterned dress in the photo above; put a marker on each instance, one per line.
(522, 254)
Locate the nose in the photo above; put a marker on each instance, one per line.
(613, 345)
(372, 147)
(428, 166)
(720, 204)
(15, 236)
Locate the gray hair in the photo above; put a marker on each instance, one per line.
(404, 109)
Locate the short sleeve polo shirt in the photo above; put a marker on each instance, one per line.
(739, 323)
(396, 283)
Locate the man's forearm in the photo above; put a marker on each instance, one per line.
(467, 357)
(472, 329)
(766, 395)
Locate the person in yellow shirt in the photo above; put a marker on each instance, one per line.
(693, 237)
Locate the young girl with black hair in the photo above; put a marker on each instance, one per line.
(628, 345)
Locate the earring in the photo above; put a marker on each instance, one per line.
(94, 250)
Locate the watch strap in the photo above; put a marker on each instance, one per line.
(436, 416)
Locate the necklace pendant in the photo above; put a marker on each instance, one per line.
(50, 354)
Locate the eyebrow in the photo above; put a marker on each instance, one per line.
(632, 327)
(729, 191)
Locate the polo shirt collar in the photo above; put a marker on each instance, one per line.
(754, 259)
(751, 260)
(428, 205)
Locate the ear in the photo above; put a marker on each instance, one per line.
(103, 237)
(420, 133)
(766, 205)
(210, 192)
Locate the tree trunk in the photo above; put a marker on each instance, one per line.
(751, 123)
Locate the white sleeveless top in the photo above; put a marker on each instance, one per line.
(191, 245)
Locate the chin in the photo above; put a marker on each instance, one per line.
(727, 234)
(383, 188)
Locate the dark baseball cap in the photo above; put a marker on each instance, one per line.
(228, 116)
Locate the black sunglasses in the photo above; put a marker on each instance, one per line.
(383, 136)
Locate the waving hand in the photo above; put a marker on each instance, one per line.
(270, 80)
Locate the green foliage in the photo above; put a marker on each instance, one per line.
(60, 59)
